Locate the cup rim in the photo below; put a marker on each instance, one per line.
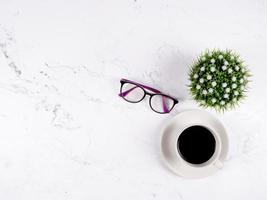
(216, 154)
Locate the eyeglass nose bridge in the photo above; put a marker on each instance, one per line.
(148, 93)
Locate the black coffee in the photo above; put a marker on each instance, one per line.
(196, 144)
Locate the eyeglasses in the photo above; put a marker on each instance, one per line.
(135, 92)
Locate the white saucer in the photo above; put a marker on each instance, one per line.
(169, 144)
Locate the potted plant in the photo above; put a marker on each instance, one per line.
(219, 79)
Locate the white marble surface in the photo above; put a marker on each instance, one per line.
(65, 134)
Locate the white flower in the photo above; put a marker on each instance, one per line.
(226, 63)
(234, 99)
(236, 93)
(230, 71)
(220, 57)
(212, 69)
(224, 85)
(213, 84)
(203, 58)
(210, 90)
(236, 68)
(198, 87)
(242, 70)
(201, 80)
(213, 100)
(234, 86)
(204, 92)
(234, 78)
(195, 76)
(227, 90)
(224, 67)
(210, 54)
(226, 96)
(212, 60)
(241, 80)
(209, 77)
(232, 57)
(242, 87)
(222, 102)
(202, 69)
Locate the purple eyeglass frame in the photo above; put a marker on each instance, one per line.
(144, 88)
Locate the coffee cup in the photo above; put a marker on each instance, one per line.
(194, 144)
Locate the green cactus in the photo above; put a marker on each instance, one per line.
(218, 79)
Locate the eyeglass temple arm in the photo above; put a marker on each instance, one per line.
(164, 105)
(125, 93)
(144, 86)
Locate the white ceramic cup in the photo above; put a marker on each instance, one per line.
(170, 136)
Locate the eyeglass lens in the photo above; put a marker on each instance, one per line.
(132, 93)
(161, 103)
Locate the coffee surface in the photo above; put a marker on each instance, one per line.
(196, 144)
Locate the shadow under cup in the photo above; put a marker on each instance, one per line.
(197, 145)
